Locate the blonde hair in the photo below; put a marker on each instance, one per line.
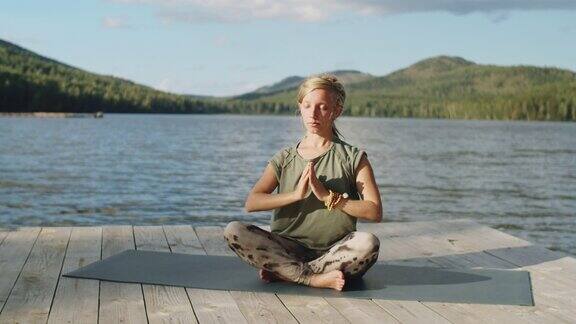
(327, 82)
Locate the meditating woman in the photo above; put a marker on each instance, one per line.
(324, 185)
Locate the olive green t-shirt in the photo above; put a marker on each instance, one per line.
(308, 221)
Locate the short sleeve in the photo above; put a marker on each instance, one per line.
(356, 157)
(277, 161)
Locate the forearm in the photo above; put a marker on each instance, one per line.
(263, 201)
(361, 209)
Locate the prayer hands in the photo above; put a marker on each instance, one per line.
(309, 179)
(302, 187)
(317, 187)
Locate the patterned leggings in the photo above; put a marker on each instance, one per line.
(354, 254)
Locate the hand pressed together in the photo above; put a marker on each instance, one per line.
(309, 178)
(302, 186)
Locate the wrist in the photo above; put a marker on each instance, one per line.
(334, 199)
(294, 196)
(340, 203)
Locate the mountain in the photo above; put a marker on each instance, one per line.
(437, 87)
(452, 87)
(347, 77)
(31, 82)
(284, 84)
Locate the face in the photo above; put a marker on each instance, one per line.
(319, 110)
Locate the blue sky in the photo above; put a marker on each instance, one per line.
(228, 47)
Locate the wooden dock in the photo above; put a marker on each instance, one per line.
(33, 291)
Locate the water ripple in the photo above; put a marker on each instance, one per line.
(518, 177)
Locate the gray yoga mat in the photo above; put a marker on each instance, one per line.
(382, 281)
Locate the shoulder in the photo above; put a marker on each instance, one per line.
(283, 156)
(280, 160)
(350, 155)
(347, 151)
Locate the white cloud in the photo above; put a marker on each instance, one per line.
(165, 85)
(115, 22)
(221, 41)
(214, 87)
(321, 10)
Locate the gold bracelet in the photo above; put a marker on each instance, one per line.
(333, 201)
(338, 195)
(330, 196)
(337, 200)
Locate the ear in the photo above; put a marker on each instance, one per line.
(337, 112)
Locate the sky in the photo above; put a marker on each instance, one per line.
(230, 47)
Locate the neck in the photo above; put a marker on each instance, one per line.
(318, 140)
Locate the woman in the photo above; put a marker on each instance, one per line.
(324, 186)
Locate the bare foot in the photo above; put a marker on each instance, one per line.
(333, 279)
(268, 276)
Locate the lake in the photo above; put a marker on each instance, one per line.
(519, 177)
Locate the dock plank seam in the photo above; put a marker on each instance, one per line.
(430, 259)
(3, 237)
(100, 281)
(20, 272)
(185, 290)
(206, 252)
(419, 302)
(59, 273)
(325, 303)
(508, 263)
(141, 286)
(286, 307)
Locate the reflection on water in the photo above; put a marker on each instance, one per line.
(519, 177)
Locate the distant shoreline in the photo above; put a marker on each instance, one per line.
(98, 114)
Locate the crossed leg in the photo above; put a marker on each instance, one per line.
(279, 257)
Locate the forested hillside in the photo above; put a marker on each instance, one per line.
(30, 82)
(451, 87)
(439, 87)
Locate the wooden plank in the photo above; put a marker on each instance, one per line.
(551, 305)
(540, 259)
(389, 310)
(554, 268)
(163, 303)
(14, 251)
(76, 300)
(358, 310)
(541, 313)
(311, 309)
(262, 307)
(214, 305)
(442, 234)
(120, 302)
(366, 311)
(454, 255)
(407, 311)
(552, 273)
(32, 294)
(210, 305)
(468, 313)
(3, 234)
(306, 309)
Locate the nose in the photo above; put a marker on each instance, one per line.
(316, 112)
